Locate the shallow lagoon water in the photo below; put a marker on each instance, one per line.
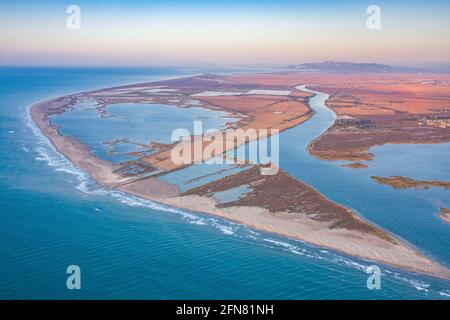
(139, 123)
(53, 215)
(232, 194)
(199, 174)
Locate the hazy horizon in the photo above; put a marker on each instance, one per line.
(263, 33)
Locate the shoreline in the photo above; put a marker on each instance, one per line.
(444, 215)
(400, 255)
(261, 220)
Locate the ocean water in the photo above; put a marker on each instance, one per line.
(53, 215)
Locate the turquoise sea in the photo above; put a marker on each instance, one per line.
(52, 216)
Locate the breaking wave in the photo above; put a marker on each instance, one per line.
(47, 153)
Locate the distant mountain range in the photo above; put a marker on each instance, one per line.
(350, 67)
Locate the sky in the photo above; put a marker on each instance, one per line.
(263, 32)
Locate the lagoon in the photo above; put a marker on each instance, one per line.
(134, 125)
(53, 216)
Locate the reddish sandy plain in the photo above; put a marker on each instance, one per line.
(374, 109)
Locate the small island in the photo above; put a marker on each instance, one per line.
(355, 165)
(399, 182)
(445, 215)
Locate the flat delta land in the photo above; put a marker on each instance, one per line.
(371, 110)
(374, 109)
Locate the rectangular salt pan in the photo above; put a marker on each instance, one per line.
(270, 92)
(251, 92)
(216, 94)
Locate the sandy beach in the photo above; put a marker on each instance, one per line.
(393, 251)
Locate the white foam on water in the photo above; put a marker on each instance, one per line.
(355, 265)
(286, 246)
(47, 153)
(227, 228)
(304, 250)
(312, 252)
(133, 201)
(416, 283)
(278, 243)
(445, 293)
(201, 223)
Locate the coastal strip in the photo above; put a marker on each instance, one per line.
(306, 215)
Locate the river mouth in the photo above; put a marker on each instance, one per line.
(407, 213)
(318, 131)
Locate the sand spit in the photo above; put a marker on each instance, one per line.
(311, 217)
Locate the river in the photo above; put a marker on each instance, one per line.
(53, 215)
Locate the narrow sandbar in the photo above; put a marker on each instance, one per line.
(306, 215)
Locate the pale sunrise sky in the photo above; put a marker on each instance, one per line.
(223, 32)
